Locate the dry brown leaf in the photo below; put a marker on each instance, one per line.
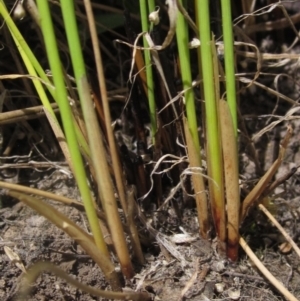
(285, 248)
(14, 257)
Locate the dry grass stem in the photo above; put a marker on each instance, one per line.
(278, 226)
(40, 267)
(277, 284)
(48, 195)
(15, 116)
(231, 173)
(259, 188)
(75, 232)
(198, 183)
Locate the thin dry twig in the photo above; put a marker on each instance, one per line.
(49, 195)
(272, 91)
(277, 284)
(257, 191)
(24, 114)
(283, 232)
(190, 282)
(291, 114)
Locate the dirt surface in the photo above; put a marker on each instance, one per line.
(193, 269)
(34, 239)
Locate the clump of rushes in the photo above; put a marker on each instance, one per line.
(220, 120)
(103, 179)
(93, 245)
(85, 139)
(127, 205)
(221, 129)
(61, 93)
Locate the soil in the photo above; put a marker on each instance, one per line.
(195, 264)
(187, 270)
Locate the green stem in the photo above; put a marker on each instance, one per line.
(229, 60)
(67, 120)
(103, 179)
(34, 67)
(191, 129)
(184, 55)
(148, 66)
(32, 64)
(214, 155)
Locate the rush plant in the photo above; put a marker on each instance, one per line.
(183, 146)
